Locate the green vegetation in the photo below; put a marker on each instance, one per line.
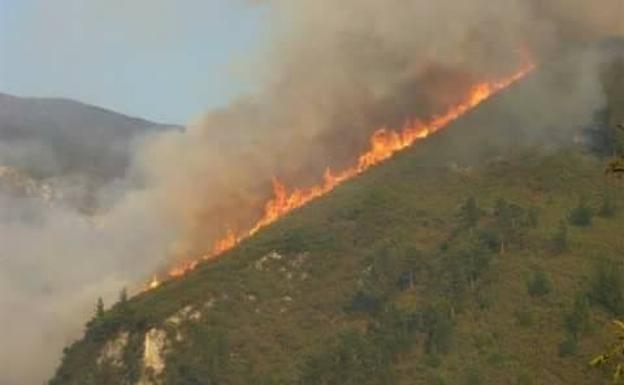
(401, 284)
(607, 285)
(581, 215)
(539, 285)
(99, 308)
(351, 359)
(470, 213)
(576, 321)
(413, 273)
(568, 347)
(201, 358)
(123, 296)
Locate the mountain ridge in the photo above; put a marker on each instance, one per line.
(79, 103)
(48, 137)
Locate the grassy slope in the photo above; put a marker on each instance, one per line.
(410, 203)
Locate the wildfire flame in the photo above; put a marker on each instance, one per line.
(384, 144)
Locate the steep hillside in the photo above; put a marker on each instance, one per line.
(469, 259)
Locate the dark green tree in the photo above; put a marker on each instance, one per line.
(509, 220)
(123, 296)
(122, 304)
(364, 302)
(438, 328)
(576, 321)
(99, 308)
(470, 213)
(539, 284)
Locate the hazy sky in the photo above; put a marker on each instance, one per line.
(166, 60)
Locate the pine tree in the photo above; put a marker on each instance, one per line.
(123, 296)
(99, 308)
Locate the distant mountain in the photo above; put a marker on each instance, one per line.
(51, 138)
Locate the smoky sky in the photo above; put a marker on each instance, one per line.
(334, 72)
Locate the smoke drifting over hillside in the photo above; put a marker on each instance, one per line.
(332, 73)
(336, 71)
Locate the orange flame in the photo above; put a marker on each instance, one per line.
(384, 144)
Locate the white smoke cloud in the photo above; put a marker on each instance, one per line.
(54, 263)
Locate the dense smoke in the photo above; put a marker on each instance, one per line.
(332, 72)
(336, 71)
(54, 264)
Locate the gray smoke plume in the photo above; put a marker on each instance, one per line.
(336, 71)
(331, 73)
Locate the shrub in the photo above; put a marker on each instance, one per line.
(568, 347)
(576, 322)
(539, 285)
(438, 329)
(364, 302)
(490, 238)
(350, 359)
(202, 358)
(606, 286)
(581, 215)
(470, 213)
